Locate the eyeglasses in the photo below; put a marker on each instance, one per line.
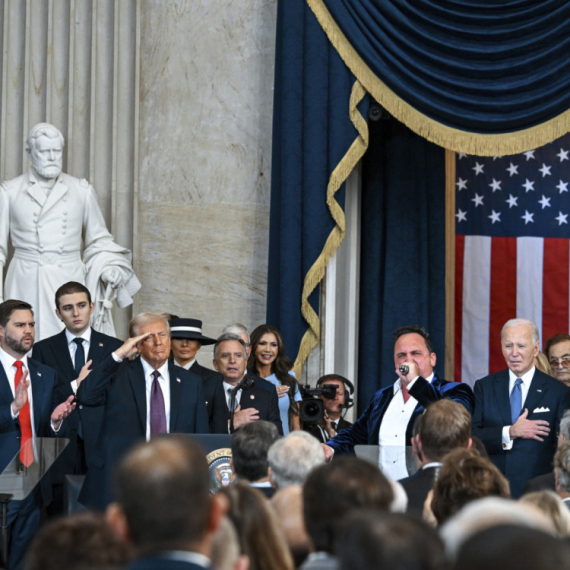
(564, 362)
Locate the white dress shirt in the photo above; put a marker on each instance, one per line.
(10, 370)
(72, 346)
(525, 386)
(392, 436)
(228, 397)
(164, 381)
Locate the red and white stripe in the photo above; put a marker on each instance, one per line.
(497, 279)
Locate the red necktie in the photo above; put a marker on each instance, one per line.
(26, 453)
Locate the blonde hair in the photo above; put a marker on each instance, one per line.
(552, 506)
(145, 319)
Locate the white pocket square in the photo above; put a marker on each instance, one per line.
(538, 410)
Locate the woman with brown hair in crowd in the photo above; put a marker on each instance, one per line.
(268, 360)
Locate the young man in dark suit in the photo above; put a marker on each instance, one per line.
(67, 353)
(27, 409)
(252, 402)
(518, 410)
(164, 507)
(142, 398)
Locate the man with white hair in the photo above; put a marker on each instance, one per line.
(518, 410)
(293, 457)
(48, 214)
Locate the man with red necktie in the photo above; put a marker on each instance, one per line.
(27, 409)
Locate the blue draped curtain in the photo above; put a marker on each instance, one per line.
(488, 77)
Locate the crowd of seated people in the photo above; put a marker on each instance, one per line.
(299, 497)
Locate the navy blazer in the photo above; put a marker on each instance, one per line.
(262, 398)
(54, 351)
(366, 430)
(162, 563)
(43, 380)
(123, 389)
(528, 458)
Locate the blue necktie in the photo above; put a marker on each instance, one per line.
(79, 355)
(516, 401)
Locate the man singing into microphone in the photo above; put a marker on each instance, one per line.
(251, 402)
(389, 419)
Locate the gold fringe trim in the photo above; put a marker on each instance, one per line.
(317, 272)
(442, 135)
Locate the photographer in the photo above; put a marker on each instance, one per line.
(333, 422)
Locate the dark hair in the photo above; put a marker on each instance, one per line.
(373, 539)
(163, 488)
(81, 540)
(280, 366)
(260, 535)
(334, 489)
(463, 477)
(557, 338)
(250, 445)
(416, 329)
(68, 289)
(510, 546)
(444, 426)
(9, 306)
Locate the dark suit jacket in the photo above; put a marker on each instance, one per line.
(417, 488)
(545, 482)
(162, 563)
(44, 380)
(528, 457)
(210, 385)
(259, 397)
(54, 352)
(123, 389)
(366, 429)
(313, 429)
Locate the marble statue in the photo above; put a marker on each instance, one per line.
(58, 234)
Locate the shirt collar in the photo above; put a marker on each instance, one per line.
(526, 378)
(85, 336)
(148, 369)
(187, 366)
(8, 360)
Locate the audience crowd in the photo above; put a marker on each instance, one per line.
(433, 475)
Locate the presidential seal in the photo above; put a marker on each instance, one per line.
(221, 474)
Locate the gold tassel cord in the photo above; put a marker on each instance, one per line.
(442, 135)
(317, 271)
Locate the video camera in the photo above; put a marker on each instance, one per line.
(312, 408)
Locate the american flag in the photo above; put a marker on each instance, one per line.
(512, 231)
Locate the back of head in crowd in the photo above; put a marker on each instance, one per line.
(250, 445)
(259, 534)
(292, 457)
(519, 547)
(463, 477)
(333, 490)
(163, 499)
(445, 425)
(77, 542)
(562, 469)
(374, 539)
(553, 507)
(226, 550)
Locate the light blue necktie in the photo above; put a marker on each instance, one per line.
(516, 401)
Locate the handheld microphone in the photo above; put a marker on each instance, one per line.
(244, 384)
(404, 369)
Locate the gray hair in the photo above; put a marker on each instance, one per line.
(293, 457)
(521, 323)
(237, 329)
(229, 336)
(147, 318)
(564, 428)
(45, 130)
(562, 466)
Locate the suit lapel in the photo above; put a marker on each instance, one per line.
(96, 346)
(61, 351)
(55, 194)
(35, 191)
(138, 385)
(502, 396)
(38, 391)
(175, 394)
(6, 395)
(537, 390)
(385, 400)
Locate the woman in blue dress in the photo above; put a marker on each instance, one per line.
(268, 360)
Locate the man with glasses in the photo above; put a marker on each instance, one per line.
(558, 353)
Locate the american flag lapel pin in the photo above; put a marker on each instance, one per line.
(39, 373)
(100, 344)
(252, 397)
(177, 379)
